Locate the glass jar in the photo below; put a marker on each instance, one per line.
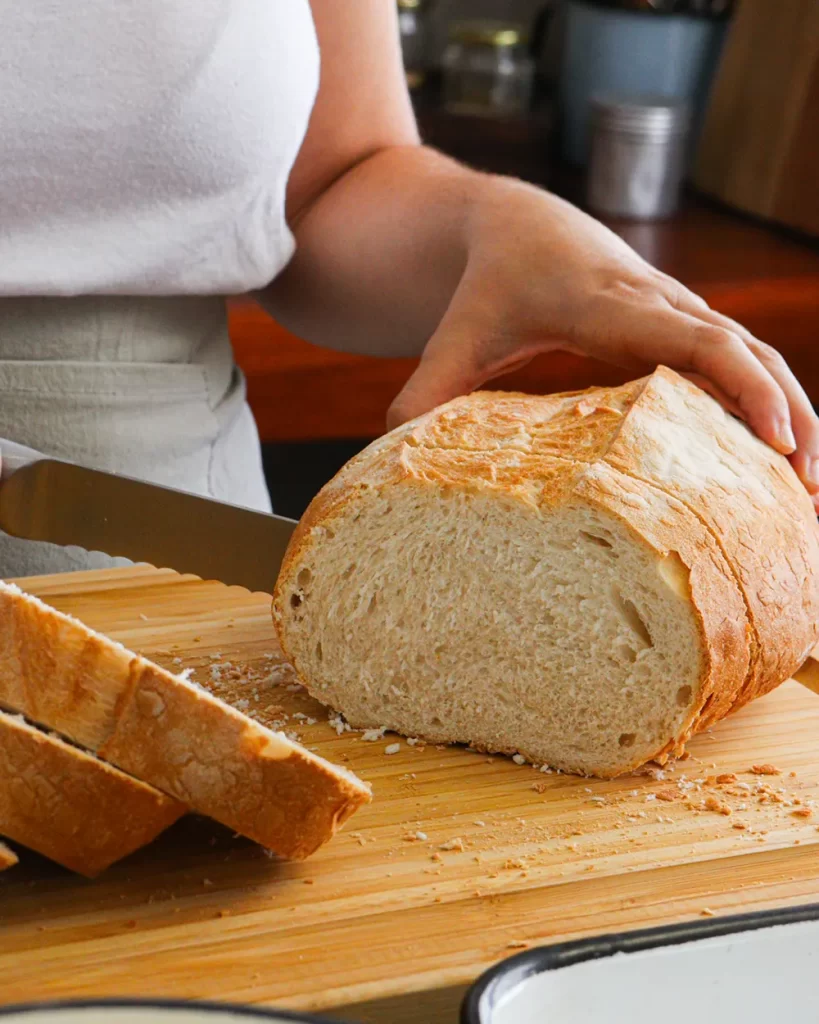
(413, 27)
(487, 69)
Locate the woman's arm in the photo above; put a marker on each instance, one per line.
(403, 251)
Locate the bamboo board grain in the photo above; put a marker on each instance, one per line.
(384, 924)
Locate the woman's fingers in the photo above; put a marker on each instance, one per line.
(689, 344)
(804, 421)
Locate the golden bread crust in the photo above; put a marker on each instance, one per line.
(72, 807)
(8, 858)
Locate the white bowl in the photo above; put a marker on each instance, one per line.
(757, 968)
(147, 1012)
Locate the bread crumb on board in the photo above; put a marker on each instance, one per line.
(719, 806)
(453, 844)
(765, 769)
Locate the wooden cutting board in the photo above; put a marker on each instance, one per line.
(460, 861)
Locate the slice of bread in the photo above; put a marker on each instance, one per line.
(8, 858)
(168, 732)
(584, 578)
(70, 806)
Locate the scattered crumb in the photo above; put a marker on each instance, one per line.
(802, 812)
(337, 722)
(393, 748)
(707, 912)
(726, 778)
(739, 825)
(765, 769)
(667, 794)
(453, 844)
(519, 759)
(309, 881)
(713, 804)
(517, 944)
(373, 735)
(540, 787)
(143, 616)
(480, 824)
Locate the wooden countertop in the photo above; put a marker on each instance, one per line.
(756, 274)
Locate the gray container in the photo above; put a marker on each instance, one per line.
(638, 156)
(608, 51)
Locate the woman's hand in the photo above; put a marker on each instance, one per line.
(540, 275)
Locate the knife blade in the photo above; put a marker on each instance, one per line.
(49, 500)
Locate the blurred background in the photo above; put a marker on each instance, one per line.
(691, 127)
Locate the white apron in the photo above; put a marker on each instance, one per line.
(146, 150)
(141, 386)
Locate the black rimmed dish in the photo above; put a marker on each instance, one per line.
(138, 1011)
(757, 968)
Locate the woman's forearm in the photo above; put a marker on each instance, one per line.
(379, 254)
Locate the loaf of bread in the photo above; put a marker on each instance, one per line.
(586, 579)
(70, 806)
(168, 732)
(8, 858)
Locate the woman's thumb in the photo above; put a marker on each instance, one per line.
(446, 370)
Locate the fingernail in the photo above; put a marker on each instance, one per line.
(784, 434)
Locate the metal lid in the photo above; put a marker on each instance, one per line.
(641, 114)
(485, 32)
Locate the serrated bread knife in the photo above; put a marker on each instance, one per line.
(48, 500)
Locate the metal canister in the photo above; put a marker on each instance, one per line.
(638, 155)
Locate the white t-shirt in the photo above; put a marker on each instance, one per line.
(145, 145)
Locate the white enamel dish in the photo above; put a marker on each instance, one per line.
(758, 968)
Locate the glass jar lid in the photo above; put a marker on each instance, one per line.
(486, 32)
